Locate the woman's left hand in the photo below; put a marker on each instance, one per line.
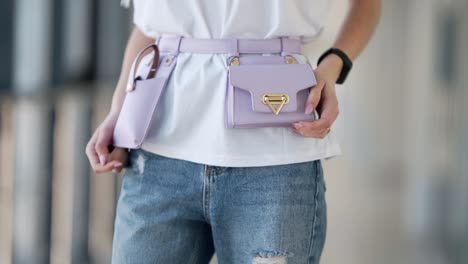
(323, 98)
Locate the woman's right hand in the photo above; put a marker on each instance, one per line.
(97, 148)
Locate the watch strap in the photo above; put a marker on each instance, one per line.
(347, 63)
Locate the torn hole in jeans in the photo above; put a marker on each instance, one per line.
(271, 257)
(138, 163)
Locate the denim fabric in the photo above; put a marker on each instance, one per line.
(175, 211)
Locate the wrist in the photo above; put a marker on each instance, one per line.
(331, 56)
(117, 99)
(331, 67)
(112, 115)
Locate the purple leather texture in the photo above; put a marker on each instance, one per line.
(139, 104)
(232, 45)
(257, 75)
(246, 83)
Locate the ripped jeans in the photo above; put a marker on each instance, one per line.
(175, 211)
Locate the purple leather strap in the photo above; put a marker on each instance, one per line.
(284, 45)
(151, 71)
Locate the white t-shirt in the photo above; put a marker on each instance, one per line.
(189, 120)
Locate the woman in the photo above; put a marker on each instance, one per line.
(195, 186)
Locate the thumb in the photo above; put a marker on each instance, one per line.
(314, 97)
(102, 145)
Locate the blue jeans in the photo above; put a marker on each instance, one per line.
(175, 211)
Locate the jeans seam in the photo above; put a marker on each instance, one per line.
(322, 177)
(206, 192)
(314, 223)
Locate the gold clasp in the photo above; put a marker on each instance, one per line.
(278, 100)
(234, 61)
(290, 60)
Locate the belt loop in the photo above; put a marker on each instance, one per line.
(179, 40)
(283, 53)
(157, 40)
(234, 54)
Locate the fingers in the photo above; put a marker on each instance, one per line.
(90, 151)
(120, 155)
(316, 129)
(99, 146)
(93, 155)
(117, 170)
(117, 160)
(318, 125)
(109, 166)
(312, 129)
(314, 97)
(102, 144)
(321, 127)
(113, 162)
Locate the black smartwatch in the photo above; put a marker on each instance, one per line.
(347, 63)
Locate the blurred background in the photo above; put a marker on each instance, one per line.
(398, 194)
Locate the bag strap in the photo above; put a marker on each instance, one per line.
(154, 65)
(286, 45)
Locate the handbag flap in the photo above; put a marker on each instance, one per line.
(272, 80)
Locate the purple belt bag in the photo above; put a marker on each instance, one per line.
(267, 91)
(142, 96)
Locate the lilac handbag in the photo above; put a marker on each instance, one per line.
(142, 96)
(262, 91)
(267, 91)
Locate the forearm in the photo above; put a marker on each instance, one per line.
(136, 42)
(358, 27)
(356, 30)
